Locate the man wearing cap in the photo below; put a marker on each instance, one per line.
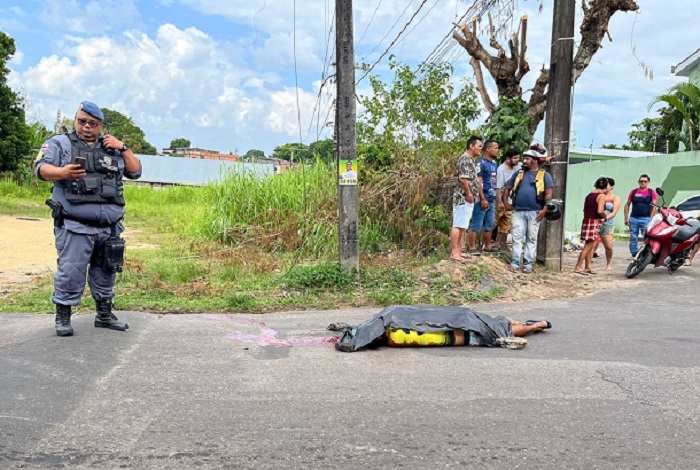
(87, 168)
(529, 190)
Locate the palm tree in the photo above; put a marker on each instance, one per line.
(684, 100)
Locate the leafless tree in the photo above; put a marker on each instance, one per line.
(509, 68)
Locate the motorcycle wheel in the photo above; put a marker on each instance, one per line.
(640, 262)
(678, 261)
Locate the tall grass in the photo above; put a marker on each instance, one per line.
(283, 212)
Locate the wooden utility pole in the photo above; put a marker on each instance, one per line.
(558, 123)
(346, 137)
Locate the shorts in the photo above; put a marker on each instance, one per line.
(503, 221)
(483, 218)
(590, 229)
(462, 214)
(607, 229)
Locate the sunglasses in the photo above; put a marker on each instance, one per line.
(643, 181)
(86, 122)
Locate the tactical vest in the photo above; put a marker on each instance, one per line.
(102, 183)
(539, 186)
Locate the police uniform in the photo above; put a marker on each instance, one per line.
(92, 210)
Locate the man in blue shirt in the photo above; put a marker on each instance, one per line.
(484, 216)
(529, 190)
(87, 168)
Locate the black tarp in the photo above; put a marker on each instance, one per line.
(424, 318)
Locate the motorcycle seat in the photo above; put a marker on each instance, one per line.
(685, 232)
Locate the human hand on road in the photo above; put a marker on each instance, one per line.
(627, 221)
(470, 198)
(509, 207)
(540, 215)
(484, 204)
(500, 207)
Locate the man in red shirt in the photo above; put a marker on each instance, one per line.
(641, 200)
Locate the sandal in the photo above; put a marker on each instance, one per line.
(459, 260)
(531, 322)
(512, 269)
(527, 271)
(583, 273)
(474, 252)
(492, 250)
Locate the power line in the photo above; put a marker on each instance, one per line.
(392, 42)
(296, 75)
(388, 32)
(370, 22)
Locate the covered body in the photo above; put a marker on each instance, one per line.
(425, 318)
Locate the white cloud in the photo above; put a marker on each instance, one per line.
(89, 17)
(176, 83)
(236, 83)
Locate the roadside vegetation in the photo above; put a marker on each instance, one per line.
(253, 245)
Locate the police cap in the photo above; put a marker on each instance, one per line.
(92, 109)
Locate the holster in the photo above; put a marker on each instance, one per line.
(110, 255)
(56, 212)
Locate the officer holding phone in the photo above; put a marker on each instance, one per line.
(87, 201)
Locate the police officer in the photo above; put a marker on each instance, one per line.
(87, 168)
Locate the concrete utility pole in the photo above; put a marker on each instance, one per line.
(346, 137)
(558, 122)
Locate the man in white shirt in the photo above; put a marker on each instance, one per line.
(505, 171)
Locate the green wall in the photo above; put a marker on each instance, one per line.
(678, 174)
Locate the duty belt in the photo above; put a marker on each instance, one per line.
(89, 223)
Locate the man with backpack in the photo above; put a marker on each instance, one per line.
(529, 190)
(641, 200)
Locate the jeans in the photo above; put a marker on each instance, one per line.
(524, 228)
(483, 218)
(637, 224)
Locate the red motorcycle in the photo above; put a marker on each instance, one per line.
(668, 240)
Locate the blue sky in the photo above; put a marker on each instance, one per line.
(221, 73)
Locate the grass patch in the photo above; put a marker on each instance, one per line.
(248, 245)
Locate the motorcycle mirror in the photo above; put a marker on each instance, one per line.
(659, 191)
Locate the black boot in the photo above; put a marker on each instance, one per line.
(63, 313)
(106, 319)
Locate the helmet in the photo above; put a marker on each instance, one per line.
(553, 210)
(538, 151)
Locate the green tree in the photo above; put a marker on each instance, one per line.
(323, 150)
(254, 153)
(293, 152)
(509, 124)
(124, 129)
(684, 103)
(412, 114)
(180, 143)
(14, 134)
(660, 134)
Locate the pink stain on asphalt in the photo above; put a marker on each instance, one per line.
(268, 336)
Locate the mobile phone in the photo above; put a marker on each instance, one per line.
(82, 161)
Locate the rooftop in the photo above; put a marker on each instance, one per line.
(194, 172)
(687, 65)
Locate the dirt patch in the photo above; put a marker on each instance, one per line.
(27, 250)
(543, 284)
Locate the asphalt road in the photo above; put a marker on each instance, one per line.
(613, 385)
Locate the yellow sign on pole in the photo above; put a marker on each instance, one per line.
(347, 173)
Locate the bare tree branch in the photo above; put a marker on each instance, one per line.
(481, 85)
(596, 16)
(508, 72)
